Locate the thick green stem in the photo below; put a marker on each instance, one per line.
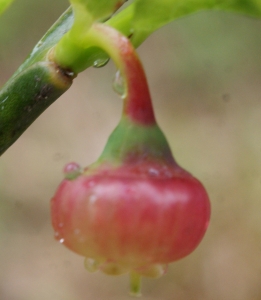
(26, 96)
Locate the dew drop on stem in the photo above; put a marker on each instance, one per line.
(119, 84)
(101, 62)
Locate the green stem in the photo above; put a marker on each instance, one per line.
(137, 101)
(26, 96)
(123, 21)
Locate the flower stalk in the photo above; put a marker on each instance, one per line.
(134, 210)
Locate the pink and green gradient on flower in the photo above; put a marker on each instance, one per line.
(135, 210)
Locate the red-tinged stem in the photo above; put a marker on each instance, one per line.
(137, 100)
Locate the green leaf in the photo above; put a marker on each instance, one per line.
(150, 15)
(4, 4)
(98, 8)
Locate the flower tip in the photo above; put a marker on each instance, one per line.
(135, 284)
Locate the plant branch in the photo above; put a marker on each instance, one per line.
(137, 21)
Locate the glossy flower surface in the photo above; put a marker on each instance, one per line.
(135, 216)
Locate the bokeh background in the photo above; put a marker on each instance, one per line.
(204, 72)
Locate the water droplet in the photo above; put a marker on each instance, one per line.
(101, 62)
(119, 84)
(153, 172)
(72, 171)
(91, 264)
(60, 225)
(61, 241)
(57, 235)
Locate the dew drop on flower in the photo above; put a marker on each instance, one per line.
(153, 172)
(119, 84)
(57, 235)
(72, 171)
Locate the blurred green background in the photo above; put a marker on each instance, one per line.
(204, 72)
